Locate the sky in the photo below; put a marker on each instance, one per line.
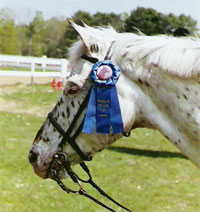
(25, 9)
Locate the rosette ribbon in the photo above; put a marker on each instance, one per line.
(103, 109)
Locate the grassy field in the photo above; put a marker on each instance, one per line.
(144, 172)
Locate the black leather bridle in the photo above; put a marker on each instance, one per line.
(60, 158)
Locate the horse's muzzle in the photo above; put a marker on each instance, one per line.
(40, 167)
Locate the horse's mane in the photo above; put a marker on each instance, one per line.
(178, 56)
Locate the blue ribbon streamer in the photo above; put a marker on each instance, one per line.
(103, 107)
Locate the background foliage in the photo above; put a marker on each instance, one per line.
(54, 36)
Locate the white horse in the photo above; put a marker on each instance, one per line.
(159, 88)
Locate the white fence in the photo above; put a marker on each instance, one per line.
(46, 67)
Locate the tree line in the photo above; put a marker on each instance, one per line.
(53, 37)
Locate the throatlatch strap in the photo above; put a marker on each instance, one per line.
(90, 59)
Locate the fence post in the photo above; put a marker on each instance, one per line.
(32, 72)
(63, 69)
(44, 57)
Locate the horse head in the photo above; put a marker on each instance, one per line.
(95, 44)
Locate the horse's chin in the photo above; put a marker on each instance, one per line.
(62, 174)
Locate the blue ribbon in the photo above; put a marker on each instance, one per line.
(103, 106)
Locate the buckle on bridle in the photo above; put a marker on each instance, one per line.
(60, 157)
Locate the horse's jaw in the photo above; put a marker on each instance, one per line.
(89, 145)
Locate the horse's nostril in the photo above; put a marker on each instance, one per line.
(32, 157)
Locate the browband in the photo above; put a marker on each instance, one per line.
(90, 59)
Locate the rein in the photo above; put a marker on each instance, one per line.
(60, 158)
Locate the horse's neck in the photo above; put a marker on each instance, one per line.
(172, 106)
(177, 99)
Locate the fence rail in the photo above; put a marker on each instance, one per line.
(48, 67)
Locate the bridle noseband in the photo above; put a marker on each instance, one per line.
(60, 158)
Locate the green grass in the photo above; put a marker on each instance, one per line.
(30, 96)
(144, 172)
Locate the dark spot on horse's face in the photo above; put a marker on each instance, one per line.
(61, 101)
(155, 65)
(60, 136)
(185, 96)
(140, 81)
(63, 114)
(179, 140)
(147, 84)
(178, 96)
(46, 140)
(68, 112)
(38, 136)
(72, 102)
(187, 89)
(188, 114)
(176, 143)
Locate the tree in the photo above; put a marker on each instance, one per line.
(148, 21)
(151, 22)
(105, 19)
(8, 33)
(56, 29)
(181, 21)
(37, 34)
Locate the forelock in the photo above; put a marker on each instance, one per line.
(76, 51)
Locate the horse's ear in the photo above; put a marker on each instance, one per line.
(89, 38)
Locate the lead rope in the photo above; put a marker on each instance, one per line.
(94, 185)
(60, 160)
(81, 192)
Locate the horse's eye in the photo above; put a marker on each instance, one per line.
(72, 91)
